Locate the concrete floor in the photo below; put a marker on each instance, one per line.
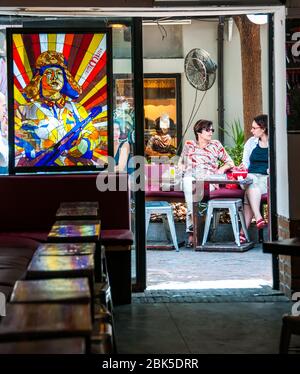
(223, 328)
(200, 302)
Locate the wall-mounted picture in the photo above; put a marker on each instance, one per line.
(162, 107)
(59, 99)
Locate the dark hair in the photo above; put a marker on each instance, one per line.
(200, 125)
(159, 130)
(262, 122)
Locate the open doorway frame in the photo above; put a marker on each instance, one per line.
(276, 112)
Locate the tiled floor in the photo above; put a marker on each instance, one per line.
(178, 313)
(241, 327)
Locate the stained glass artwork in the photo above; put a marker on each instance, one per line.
(60, 92)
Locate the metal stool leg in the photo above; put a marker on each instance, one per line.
(147, 218)
(166, 226)
(216, 220)
(172, 230)
(235, 225)
(207, 223)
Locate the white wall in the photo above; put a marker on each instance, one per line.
(233, 89)
(264, 42)
(122, 66)
(203, 34)
(199, 34)
(281, 143)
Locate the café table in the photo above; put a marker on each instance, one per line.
(74, 204)
(31, 321)
(79, 231)
(48, 267)
(82, 231)
(65, 249)
(45, 346)
(80, 212)
(75, 290)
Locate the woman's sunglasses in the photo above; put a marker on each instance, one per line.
(208, 129)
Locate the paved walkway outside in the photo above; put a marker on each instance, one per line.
(188, 269)
(262, 294)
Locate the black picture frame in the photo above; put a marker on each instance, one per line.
(13, 169)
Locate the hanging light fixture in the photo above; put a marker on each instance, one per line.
(259, 19)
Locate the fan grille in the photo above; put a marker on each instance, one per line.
(200, 69)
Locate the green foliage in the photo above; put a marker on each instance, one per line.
(236, 133)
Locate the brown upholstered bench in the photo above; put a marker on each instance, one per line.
(28, 207)
(15, 255)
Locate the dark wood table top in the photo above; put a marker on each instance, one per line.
(289, 247)
(84, 204)
(49, 346)
(77, 213)
(60, 266)
(41, 320)
(75, 231)
(51, 290)
(65, 249)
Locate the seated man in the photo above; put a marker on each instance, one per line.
(200, 158)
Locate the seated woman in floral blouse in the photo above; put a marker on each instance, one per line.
(199, 158)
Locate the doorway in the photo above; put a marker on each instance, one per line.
(189, 269)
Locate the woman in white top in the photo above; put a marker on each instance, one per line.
(255, 159)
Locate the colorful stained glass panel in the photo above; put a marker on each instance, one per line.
(60, 93)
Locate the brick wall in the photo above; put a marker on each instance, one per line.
(289, 267)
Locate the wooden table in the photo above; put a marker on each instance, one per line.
(75, 290)
(75, 231)
(43, 321)
(66, 249)
(77, 213)
(45, 346)
(287, 247)
(74, 204)
(48, 267)
(71, 231)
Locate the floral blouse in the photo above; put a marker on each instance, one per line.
(198, 161)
